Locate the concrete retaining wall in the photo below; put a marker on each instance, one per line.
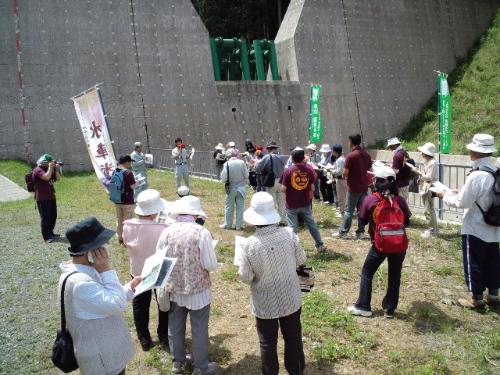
(373, 58)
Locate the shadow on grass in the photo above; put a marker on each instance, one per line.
(320, 260)
(250, 364)
(217, 348)
(428, 318)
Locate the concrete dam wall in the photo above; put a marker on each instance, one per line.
(374, 59)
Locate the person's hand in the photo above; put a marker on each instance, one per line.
(440, 193)
(135, 281)
(101, 260)
(52, 165)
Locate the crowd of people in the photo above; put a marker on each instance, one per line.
(351, 182)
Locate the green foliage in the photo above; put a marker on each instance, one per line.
(475, 94)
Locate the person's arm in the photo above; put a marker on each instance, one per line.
(207, 253)
(129, 178)
(347, 166)
(465, 198)
(47, 176)
(406, 210)
(283, 181)
(431, 174)
(175, 153)
(397, 162)
(223, 175)
(345, 173)
(365, 210)
(245, 271)
(262, 165)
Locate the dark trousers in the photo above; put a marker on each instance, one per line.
(140, 308)
(326, 189)
(372, 262)
(252, 180)
(291, 330)
(48, 216)
(481, 264)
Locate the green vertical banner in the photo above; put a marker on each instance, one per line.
(315, 123)
(444, 108)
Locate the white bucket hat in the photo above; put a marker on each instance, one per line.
(150, 203)
(231, 144)
(137, 144)
(219, 146)
(325, 148)
(261, 210)
(381, 170)
(428, 149)
(482, 143)
(183, 191)
(393, 141)
(188, 205)
(312, 146)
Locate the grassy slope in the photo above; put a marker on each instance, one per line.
(475, 95)
(426, 337)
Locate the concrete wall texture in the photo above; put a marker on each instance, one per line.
(374, 58)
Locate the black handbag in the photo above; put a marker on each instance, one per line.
(63, 355)
(268, 179)
(226, 185)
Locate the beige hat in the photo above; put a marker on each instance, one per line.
(261, 210)
(482, 143)
(150, 203)
(137, 144)
(393, 141)
(312, 146)
(428, 149)
(188, 205)
(219, 146)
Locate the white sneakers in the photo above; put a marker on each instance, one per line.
(358, 312)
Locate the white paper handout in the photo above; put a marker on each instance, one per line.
(239, 244)
(148, 159)
(156, 272)
(438, 186)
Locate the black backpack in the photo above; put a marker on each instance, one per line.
(30, 182)
(491, 215)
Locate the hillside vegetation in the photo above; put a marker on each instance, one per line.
(475, 98)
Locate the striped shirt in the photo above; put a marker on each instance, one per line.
(269, 261)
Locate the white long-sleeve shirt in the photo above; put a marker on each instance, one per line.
(98, 299)
(478, 188)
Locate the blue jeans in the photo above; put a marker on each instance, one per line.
(292, 215)
(234, 197)
(372, 262)
(353, 200)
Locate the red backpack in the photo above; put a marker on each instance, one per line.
(389, 221)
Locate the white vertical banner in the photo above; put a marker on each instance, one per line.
(90, 114)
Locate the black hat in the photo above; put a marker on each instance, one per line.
(124, 159)
(337, 148)
(272, 144)
(87, 235)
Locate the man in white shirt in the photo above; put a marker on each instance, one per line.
(479, 240)
(95, 301)
(189, 283)
(181, 158)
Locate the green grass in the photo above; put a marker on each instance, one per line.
(475, 94)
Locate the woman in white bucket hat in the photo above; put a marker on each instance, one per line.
(268, 263)
(427, 175)
(140, 236)
(480, 240)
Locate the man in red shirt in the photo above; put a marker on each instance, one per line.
(297, 182)
(357, 164)
(44, 176)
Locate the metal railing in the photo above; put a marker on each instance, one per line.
(203, 165)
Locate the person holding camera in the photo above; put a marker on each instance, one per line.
(181, 157)
(44, 176)
(95, 301)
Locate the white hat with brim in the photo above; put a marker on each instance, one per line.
(188, 205)
(219, 146)
(428, 149)
(183, 191)
(393, 141)
(150, 203)
(261, 210)
(312, 146)
(231, 144)
(137, 144)
(482, 143)
(381, 170)
(325, 148)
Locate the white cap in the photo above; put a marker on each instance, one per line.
(188, 205)
(312, 146)
(137, 144)
(482, 143)
(428, 149)
(393, 141)
(231, 144)
(325, 148)
(261, 210)
(150, 203)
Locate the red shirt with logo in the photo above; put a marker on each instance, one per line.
(298, 180)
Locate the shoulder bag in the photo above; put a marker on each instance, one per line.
(269, 179)
(63, 354)
(226, 185)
